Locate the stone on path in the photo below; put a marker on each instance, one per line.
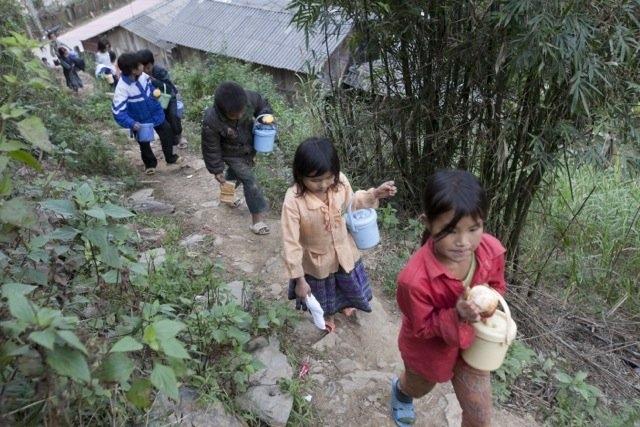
(273, 265)
(211, 204)
(155, 257)
(142, 195)
(192, 240)
(453, 411)
(142, 201)
(236, 290)
(152, 235)
(264, 398)
(329, 342)
(153, 207)
(347, 365)
(359, 380)
(188, 412)
(245, 266)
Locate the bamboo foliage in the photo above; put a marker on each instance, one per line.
(502, 88)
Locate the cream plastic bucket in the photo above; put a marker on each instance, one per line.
(493, 339)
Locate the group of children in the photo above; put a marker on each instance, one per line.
(320, 256)
(322, 260)
(135, 104)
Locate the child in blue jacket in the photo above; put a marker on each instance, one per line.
(134, 104)
(160, 78)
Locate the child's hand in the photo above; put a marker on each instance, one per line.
(388, 189)
(220, 178)
(467, 310)
(302, 288)
(136, 127)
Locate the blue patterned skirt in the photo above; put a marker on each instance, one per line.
(339, 290)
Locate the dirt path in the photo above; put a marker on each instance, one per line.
(351, 369)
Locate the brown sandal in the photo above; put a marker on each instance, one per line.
(329, 326)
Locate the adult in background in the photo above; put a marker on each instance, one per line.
(55, 45)
(69, 69)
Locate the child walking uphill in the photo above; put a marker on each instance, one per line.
(161, 80)
(134, 104)
(455, 255)
(320, 256)
(227, 137)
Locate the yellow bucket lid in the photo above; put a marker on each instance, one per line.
(497, 328)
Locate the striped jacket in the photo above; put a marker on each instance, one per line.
(133, 102)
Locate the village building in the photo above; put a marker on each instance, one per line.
(257, 32)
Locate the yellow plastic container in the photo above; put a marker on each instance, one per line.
(493, 338)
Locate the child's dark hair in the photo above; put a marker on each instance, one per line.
(127, 62)
(103, 44)
(62, 51)
(452, 190)
(315, 157)
(112, 56)
(146, 56)
(230, 97)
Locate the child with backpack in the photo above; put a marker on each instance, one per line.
(134, 104)
(161, 80)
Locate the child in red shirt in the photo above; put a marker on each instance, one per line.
(455, 255)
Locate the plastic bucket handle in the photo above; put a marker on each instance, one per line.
(256, 122)
(350, 212)
(507, 312)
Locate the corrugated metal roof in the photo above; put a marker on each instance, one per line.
(248, 30)
(105, 22)
(151, 23)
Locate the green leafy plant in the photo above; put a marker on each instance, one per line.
(87, 222)
(388, 217)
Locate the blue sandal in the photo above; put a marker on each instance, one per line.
(403, 414)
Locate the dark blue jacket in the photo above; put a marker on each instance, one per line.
(133, 102)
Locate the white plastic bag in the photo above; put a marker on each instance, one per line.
(316, 311)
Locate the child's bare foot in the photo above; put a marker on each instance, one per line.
(349, 311)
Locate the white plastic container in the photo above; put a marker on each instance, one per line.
(363, 226)
(493, 338)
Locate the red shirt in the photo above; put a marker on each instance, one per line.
(432, 334)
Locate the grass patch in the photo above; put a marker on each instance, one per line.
(594, 252)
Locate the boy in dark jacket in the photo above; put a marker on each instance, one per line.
(227, 138)
(160, 79)
(134, 103)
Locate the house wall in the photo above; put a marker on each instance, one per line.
(123, 40)
(339, 62)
